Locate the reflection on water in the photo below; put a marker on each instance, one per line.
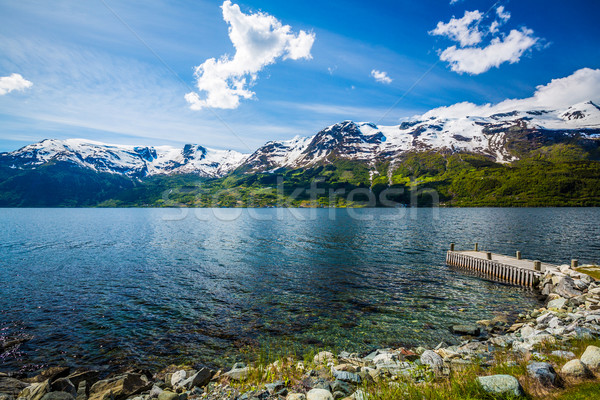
(150, 287)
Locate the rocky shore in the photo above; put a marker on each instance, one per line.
(537, 354)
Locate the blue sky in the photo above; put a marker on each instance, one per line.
(119, 71)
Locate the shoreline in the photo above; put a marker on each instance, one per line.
(571, 317)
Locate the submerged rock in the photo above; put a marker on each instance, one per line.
(466, 329)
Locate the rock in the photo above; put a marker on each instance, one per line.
(527, 331)
(557, 303)
(340, 386)
(323, 357)
(238, 374)
(566, 288)
(64, 385)
(51, 374)
(58, 396)
(576, 369)
(11, 386)
(432, 359)
(319, 394)
(36, 391)
(359, 395)
(501, 385)
(155, 392)
(90, 377)
(275, 387)
(177, 378)
(544, 373)
(385, 358)
(199, 379)
(470, 330)
(563, 354)
(120, 387)
(322, 384)
(167, 395)
(338, 395)
(591, 357)
(296, 396)
(346, 376)
(82, 391)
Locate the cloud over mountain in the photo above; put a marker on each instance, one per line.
(259, 40)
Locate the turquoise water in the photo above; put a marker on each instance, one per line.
(157, 286)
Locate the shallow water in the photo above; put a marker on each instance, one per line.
(157, 286)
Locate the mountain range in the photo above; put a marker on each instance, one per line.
(499, 138)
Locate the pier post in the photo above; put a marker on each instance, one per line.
(451, 246)
(537, 265)
(476, 246)
(518, 255)
(489, 255)
(574, 264)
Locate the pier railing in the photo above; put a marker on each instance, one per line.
(513, 270)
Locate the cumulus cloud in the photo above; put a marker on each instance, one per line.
(381, 76)
(259, 40)
(583, 85)
(476, 60)
(472, 59)
(13, 82)
(463, 30)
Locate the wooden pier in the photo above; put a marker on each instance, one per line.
(513, 270)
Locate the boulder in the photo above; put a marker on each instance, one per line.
(178, 377)
(296, 396)
(319, 394)
(239, 373)
(501, 385)
(346, 376)
(576, 369)
(90, 377)
(36, 391)
(11, 386)
(342, 387)
(557, 303)
(275, 387)
(566, 288)
(120, 387)
(58, 396)
(199, 379)
(64, 385)
(167, 395)
(544, 373)
(432, 359)
(82, 391)
(51, 374)
(465, 329)
(591, 357)
(323, 357)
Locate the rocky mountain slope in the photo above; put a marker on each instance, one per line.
(132, 161)
(501, 137)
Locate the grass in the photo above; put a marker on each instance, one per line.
(586, 391)
(593, 271)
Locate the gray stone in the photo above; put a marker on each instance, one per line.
(120, 387)
(82, 391)
(341, 386)
(155, 392)
(501, 385)
(11, 386)
(346, 376)
(319, 394)
(199, 379)
(576, 369)
(63, 385)
(36, 391)
(544, 373)
(466, 329)
(177, 378)
(323, 357)
(563, 354)
(58, 396)
(238, 374)
(432, 359)
(167, 395)
(275, 387)
(591, 357)
(566, 288)
(322, 384)
(557, 303)
(296, 396)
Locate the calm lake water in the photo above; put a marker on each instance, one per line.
(158, 286)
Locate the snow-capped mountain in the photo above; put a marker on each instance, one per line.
(488, 135)
(132, 161)
(493, 135)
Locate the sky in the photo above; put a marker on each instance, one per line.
(234, 75)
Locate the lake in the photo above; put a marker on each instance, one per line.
(160, 286)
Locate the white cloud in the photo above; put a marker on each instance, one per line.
(381, 76)
(454, 1)
(583, 85)
(502, 14)
(13, 82)
(476, 60)
(259, 40)
(464, 30)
